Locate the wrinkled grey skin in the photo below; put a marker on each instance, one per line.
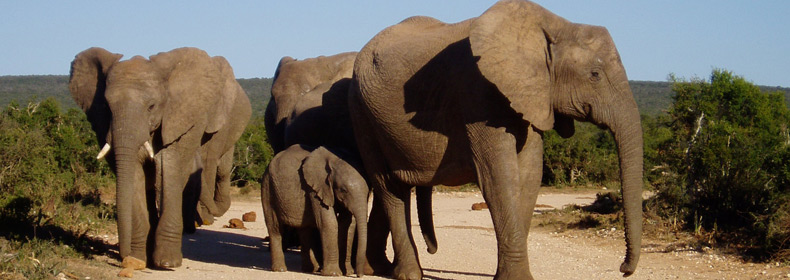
(435, 103)
(299, 190)
(190, 109)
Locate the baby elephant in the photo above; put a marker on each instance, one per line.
(299, 190)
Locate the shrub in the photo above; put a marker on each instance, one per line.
(727, 162)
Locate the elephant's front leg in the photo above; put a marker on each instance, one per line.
(176, 167)
(346, 230)
(326, 222)
(509, 183)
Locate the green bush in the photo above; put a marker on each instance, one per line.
(50, 184)
(252, 155)
(589, 157)
(727, 162)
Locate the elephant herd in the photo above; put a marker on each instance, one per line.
(423, 103)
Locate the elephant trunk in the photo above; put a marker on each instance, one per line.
(126, 167)
(626, 128)
(127, 146)
(361, 214)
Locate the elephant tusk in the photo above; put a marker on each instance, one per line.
(148, 148)
(103, 151)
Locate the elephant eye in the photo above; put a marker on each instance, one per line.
(594, 76)
(151, 108)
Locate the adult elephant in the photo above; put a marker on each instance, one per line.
(309, 103)
(435, 103)
(309, 106)
(168, 118)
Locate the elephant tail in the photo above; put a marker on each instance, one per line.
(425, 217)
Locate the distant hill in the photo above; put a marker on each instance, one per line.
(27, 88)
(653, 98)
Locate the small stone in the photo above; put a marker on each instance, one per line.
(235, 223)
(479, 206)
(126, 272)
(248, 217)
(133, 263)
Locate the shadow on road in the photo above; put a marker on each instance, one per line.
(432, 274)
(233, 249)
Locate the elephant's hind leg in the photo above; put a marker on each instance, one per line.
(396, 198)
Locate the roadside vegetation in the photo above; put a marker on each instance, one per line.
(717, 158)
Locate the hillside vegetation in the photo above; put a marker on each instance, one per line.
(37, 88)
(653, 98)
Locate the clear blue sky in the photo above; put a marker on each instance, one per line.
(655, 38)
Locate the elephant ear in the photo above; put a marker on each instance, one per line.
(227, 95)
(315, 171)
(87, 82)
(515, 55)
(193, 86)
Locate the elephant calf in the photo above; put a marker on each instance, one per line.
(299, 190)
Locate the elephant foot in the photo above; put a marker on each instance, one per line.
(407, 272)
(167, 258)
(349, 269)
(507, 274)
(204, 217)
(279, 267)
(378, 266)
(331, 270)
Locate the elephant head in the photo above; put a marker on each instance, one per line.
(317, 84)
(552, 72)
(331, 178)
(139, 107)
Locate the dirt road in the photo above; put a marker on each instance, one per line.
(467, 250)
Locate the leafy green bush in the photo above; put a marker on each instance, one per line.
(252, 155)
(589, 157)
(50, 183)
(727, 162)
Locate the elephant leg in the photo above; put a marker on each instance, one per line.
(378, 233)
(208, 209)
(273, 227)
(308, 239)
(326, 222)
(396, 198)
(222, 194)
(141, 219)
(190, 197)
(346, 230)
(507, 193)
(167, 252)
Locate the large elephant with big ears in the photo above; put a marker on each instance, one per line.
(435, 103)
(167, 120)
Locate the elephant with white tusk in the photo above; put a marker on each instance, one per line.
(168, 125)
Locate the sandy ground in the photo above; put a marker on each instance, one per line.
(467, 250)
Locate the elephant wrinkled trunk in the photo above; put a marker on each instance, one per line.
(362, 239)
(126, 167)
(627, 131)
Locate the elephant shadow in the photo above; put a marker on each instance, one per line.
(232, 249)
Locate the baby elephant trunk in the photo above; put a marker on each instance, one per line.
(361, 214)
